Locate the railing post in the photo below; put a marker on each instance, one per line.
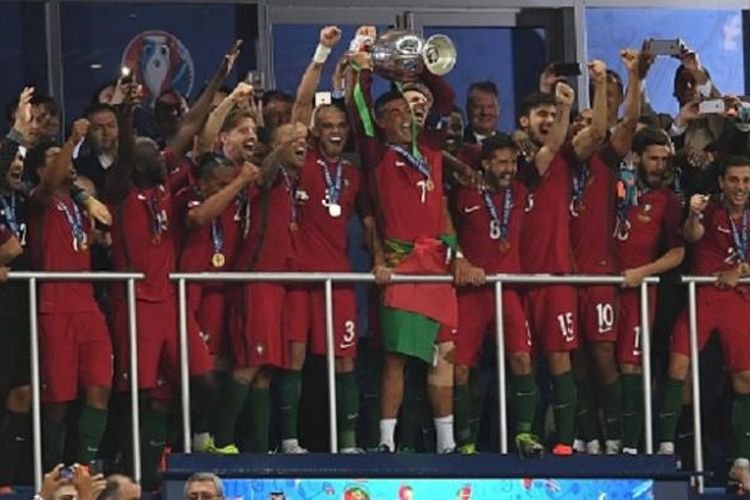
(184, 370)
(134, 402)
(696, 384)
(646, 367)
(501, 382)
(36, 398)
(331, 367)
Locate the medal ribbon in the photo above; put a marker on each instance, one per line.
(152, 203)
(10, 213)
(75, 221)
(418, 163)
(291, 188)
(217, 235)
(243, 212)
(333, 188)
(739, 238)
(579, 184)
(492, 209)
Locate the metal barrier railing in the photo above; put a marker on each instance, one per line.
(328, 279)
(695, 379)
(36, 416)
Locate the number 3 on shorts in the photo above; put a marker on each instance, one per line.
(566, 326)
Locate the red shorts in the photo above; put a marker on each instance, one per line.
(256, 314)
(552, 314)
(476, 316)
(158, 353)
(727, 311)
(212, 318)
(629, 338)
(74, 347)
(305, 318)
(597, 313)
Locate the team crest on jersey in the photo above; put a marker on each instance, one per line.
(644, 215)
(160, 61)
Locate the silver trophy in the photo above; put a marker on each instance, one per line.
(402, 55)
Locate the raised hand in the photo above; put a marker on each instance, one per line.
(564, 94)
(23, 111)
(330, 36)
(80, 129)
(597, 71)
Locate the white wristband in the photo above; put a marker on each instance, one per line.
(705, 89)
(677, 130)
(321, 54)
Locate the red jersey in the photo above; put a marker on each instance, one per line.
(654, 225)
(545, 237)
(593, 214)
(716, 250)
(55, 248)
(410, 206)
(480, 236)
(320, 241)
(199, 244)
(275, 234)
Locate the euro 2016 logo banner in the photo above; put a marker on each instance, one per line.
(159, 61)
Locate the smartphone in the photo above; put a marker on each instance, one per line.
(96, 466)
(666, 47)
(322, 98)
(126, 75)
(67, 473)
(712, 106)
(255, 78)
(567, 69)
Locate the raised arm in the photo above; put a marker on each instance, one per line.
(118, 182)
(210, 133)
(588, 140)
(54, 176)
(195, 119)
(308, 85)
(559, 130)
(693, 229)
(215, 204)
(622, 137)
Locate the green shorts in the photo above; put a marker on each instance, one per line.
(408, 333)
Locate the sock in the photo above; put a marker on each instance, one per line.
(226, 420)
(462, 412)
(388, 432)
(564, 393)
(91, 425)
(153, 439)
(14, 430)
(347, 406)
(259, 400)
(409, 421)
(741, 424)
(586, 411)
(524, 401)
(205, 397)
(476, 400)
(670, 409)
(53, 442)
(444, 433)
(290, 383)
(610, 398)
(632, 409)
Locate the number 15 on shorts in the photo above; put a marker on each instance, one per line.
(567, 328)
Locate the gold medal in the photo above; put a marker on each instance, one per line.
(504, 246)
(84, 246)
(293, 227)
(218, 259)
(430, 185)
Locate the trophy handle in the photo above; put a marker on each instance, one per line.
(439, 54)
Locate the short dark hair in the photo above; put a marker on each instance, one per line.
(46, 101)
(36, 157)
(100, 107)
(384, 99)
(496, 142)
(234, 118)
(612, 76)
(536, 100)
(95, 95)
(8, 152)
(276, 95)
(485, 86)
(682, 73)
(732, 161)
(649, 136)
(208, 163)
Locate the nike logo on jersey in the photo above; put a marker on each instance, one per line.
(400, 164)
(723, 230)
(346, 345)
(468, 210)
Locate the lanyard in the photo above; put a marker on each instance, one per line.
(418, 163)
(158, 220)
(579, 184)
(291, 188)
(739, 238)
(75, 222)
(10, 213)
(333, 188)
(507, 205)
(217, 235)
(242, 215)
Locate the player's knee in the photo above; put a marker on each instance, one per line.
(393, 365)
(297, 351)
(741, 382)
(520, 363)
(244, 375)
(97, 397)
(678, 366)
(462, 374)
(262, 379)
(441, 374)
(19, 399)
(604, 359)
(559, 362)
(344, 365)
